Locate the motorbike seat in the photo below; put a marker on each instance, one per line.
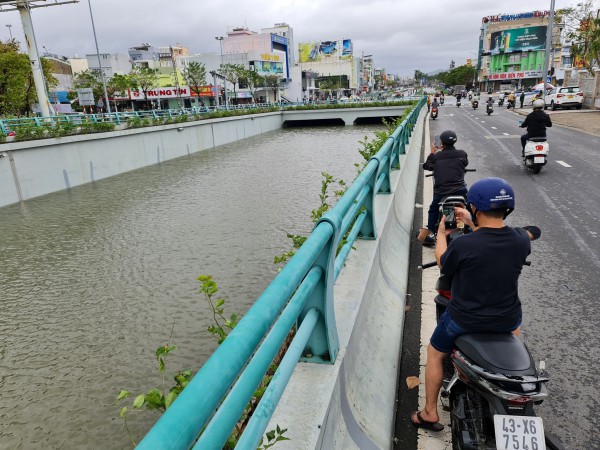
(537, 139)
(500, 353)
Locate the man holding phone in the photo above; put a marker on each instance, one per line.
(448, 165)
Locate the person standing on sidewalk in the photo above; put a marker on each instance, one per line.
(522, 99)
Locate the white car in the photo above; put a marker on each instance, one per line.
(564, 97)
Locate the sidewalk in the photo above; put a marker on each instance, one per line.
(584, 120)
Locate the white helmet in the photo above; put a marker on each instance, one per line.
(538, 104)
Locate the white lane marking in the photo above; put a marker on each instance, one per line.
(564, 164)
(505, 134)
(483, 121)
(494, 128)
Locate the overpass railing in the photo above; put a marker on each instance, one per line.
(12, 125)
(205, 413)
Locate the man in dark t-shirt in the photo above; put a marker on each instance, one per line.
(485, 266)
(448, 165)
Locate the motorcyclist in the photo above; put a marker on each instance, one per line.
(489, 102)
(435, 103)
(536, 123)
(485, 266)
(511, 99)
(448, 165)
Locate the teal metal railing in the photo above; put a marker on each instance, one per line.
(118, 118)
(302, 293)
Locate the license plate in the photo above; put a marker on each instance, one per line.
(538, 160)
(569, 96)
(519, 433)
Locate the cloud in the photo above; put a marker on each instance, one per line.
(401, 35)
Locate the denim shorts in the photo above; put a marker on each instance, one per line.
(447, 330)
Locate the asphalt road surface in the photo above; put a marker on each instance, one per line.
(559, 291)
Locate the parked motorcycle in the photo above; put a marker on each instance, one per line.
(492, 384)
(434, 113)
(475, 104)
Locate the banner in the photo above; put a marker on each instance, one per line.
(515, 75)
(268, 67)
(325, 50)
(524, 39)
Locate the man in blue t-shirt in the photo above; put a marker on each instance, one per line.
(485, 266)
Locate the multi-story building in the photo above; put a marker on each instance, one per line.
(112, 64)
(512, 50)
(61, 70)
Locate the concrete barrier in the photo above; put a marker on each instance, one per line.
(34, 168)
(351, 404)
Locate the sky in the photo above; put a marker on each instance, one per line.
(402, 35)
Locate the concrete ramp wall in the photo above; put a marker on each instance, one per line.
(34, 168)
(351, 404)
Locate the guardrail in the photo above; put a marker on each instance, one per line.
(208, 409)
(118, 118)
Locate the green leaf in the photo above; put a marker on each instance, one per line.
(270, 435)
(123, 411)
(219, 303)
(123, 394)
(161, 365)
(170, 398)
(139, 401)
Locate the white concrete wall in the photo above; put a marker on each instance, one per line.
(351, 404)
(33, 168)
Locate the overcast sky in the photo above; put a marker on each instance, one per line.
(402, 35)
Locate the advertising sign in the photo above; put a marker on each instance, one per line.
(515, 75)
(524, 39)
(161, 93)
(268, 67)
(85, 97)
(207, 91)
(509, 17)
(325, 50)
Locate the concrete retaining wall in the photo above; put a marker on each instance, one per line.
(351, 404)
(33, 168)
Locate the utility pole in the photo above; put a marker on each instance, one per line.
(548, 45)
(9, 26)
(99, 61)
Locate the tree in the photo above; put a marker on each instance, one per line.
(273, 82)
(143, 78)
(233, 73)
(87, 79)
(17, 89)
(582, 28)
(458, 75)
(195, 76)
(253, 80)
(331, 84)
(118, 84)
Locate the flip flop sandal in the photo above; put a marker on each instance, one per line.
(432, 426)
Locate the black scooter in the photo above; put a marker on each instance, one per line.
(489, 110)
(475, 104)
(501, 101)
(492, 383)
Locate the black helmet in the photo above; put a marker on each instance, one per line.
(448, 137)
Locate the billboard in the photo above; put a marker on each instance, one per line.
(268, 67)
(524, 39)
(325, 50)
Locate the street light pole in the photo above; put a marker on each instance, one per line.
(99, 61)
(548, 45)
(9, 26)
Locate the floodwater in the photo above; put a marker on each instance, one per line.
(94, 279)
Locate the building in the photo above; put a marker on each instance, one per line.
(78, 64)
(62, 71)
(512, 50)
(112, 64)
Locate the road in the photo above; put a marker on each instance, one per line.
(558, 291)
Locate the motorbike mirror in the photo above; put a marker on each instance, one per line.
(520, 122)
(534, 231)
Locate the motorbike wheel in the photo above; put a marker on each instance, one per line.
(536, 169)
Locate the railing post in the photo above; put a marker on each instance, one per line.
(323, 344)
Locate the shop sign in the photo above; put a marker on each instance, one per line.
(269, 57)
(161, 93)
(206, 91)
(515, 75)
(509, 17)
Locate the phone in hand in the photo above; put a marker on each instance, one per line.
(448, 211)
(437, 141)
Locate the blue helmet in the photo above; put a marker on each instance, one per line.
(489, 194)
